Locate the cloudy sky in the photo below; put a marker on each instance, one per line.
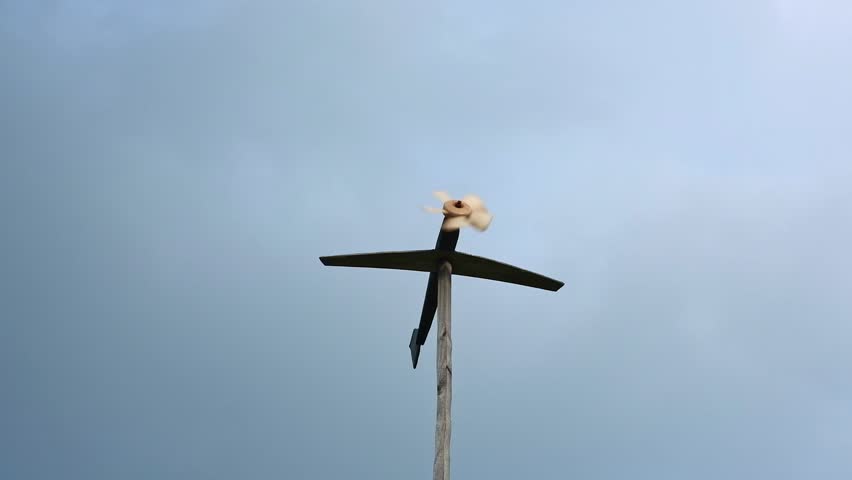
(170, 172)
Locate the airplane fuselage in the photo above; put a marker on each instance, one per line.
(430, 261)
(447, 242)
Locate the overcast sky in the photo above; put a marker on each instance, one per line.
(169, 175)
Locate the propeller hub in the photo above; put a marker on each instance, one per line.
(457, 208)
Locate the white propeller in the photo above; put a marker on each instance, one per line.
(469, 211)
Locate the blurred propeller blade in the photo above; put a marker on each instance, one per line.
(444, 197)
(480, 219)
(474, 201)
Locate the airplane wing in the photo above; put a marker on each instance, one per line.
(481, 267)
(463, 264)
(415, 260)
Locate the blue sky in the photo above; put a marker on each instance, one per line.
(170, 175)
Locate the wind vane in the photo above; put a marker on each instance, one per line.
(441, 262)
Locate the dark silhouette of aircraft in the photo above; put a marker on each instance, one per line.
(457, 213)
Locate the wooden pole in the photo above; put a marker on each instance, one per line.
(441, 467)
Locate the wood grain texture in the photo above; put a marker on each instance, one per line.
(443, 425)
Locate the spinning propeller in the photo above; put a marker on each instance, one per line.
(469, 211)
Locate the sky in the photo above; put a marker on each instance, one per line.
(170, 172)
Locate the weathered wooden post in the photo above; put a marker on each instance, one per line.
(443, 425)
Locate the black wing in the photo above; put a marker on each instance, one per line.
(463, 264)
(415, 260)
(480, 267)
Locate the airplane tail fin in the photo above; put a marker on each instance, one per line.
(414, 347)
